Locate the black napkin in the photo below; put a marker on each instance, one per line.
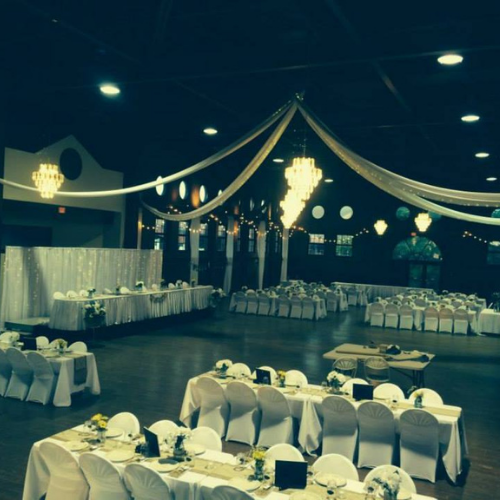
(80, 370)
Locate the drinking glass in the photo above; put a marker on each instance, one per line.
(394, 401)
(331, 489)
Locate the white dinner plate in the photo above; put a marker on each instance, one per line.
(158, 467)
(76, 445)
(120, 455)
(195, 448)
(304, 495)
(323, 478)
(402, 494)
(113, 432)
(244, 484)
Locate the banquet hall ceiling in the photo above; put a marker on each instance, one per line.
(368, 69)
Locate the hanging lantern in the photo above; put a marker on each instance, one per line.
(292, 205)
(303, 177)
(380, 227)
(48, 179)
(423, 221)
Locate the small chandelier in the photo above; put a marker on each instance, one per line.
(303, 176)
(292, 205)
(380, 227)
(423, 221)
(48, 179)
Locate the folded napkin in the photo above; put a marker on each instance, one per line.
(80, 370)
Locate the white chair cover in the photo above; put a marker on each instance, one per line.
(244, 420)
(295, 378)
(431, 321)
(332, 301)
(391, 316)
(352, 296)
(44, 379)
(283, 452)
(419, 443)
(264, 305)
(271, 370)
(461, 322)
(108, 291)
(241, 302)
(406, 317)
(387, 390)
(66, 480)
(307, 308)
(145, 483)
(337, 464)
(162, 428)
(78, 347)
(284, 305)
(71, 294)
(377, 434)
(340, 426)
(206, 437)
(406, 481)
(420, 302)
(127, 422)
(42, 342)
(226, 492)
(9, 337)
(377, 370)
(21, 376)
(5, 372)
(376, 314)
(347, 387)
(58, 295)
(103, 477)
(252, 303)
(239, 370)
(446, 320)
(346, 365)
(213, 408)
(277, 423)
(296, 310)
(430, 397)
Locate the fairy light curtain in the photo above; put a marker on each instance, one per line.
(261, 251)
(284, 255)
(194, 240)
(228, 274)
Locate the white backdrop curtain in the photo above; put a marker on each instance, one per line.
(32, 275)
(284, 255)
(261, 251)
(194, 240)
(228, 275)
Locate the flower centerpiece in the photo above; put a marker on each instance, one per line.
(419, 399)
(495, 299)
(193, 283)
(139, 286)
(244, 288)
(222, 366)
(259, 457)
(118, 289)
(178, 439)
(13, 338)
(335, 381)
(95, 313)
(60, 345)
(178, 284)
(216, 296)
(281, 377)
(163, 284)
(99, 423)
(91, 292)
(386, 483)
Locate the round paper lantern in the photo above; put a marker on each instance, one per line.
(318, 212)
(346, 212)
(203, 194)
(434, 216)
(182, 190)
(402, 213)
(160, 188)
(496, 213)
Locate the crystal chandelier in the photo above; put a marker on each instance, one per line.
(423, 221)
(380, 227)
(292, 205)
(48, 179)
(303, 176)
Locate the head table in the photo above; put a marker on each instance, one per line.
(306, 409)
(193, 480)
(69, 313)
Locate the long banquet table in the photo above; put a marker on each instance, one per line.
(206, 471)
(382, 291)
(305, 407)
(69, 314)
(488, 322)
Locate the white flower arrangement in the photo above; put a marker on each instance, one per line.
(94, 309)
(14, 337)
(139, 285)
(336, 379)
(222, 365)
(91, 291)
(177, 438)
(387, 480)
(60, 344)
(216, 296)
(178, 283)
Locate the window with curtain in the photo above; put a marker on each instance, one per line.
(344, 245)
(316, 244)
(159, 234)
(182, 236)
(158, 243)
(203, 237)
(493, 258)
(160, 226)
(221, 238)
(251, 240)
(277, 242)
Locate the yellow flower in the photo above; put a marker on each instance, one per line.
(259, 454)
(96, 417)
(102, 424)
(281, 373)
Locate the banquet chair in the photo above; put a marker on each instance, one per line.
(227, 492)
(206, 437)
(347, 387)
(377, 434)
(163, 428)
(145, 483)
(376, 314)
(343, 304)
(431, 319)
(456, 303)
(42, 342)
(124, 290)
(340, 426)
(5, 372)
(296, 307)
(283, 307)
(283, 452)
(250, 292)
(238, 370)
(78, 346)
(332, 301)
(419, 443)
(406, 317)
(446, 320)
(295, 378)
(461, 322)
(420, 302)
(66, 479)
(241, 302)
(406, 301)
(108, 291)
(377, 370)
(391, 316)
(58, 295)
(21, 376)
(271, 370)
(244, 417)
(387, 390)
(252, 304)
(9, 337)
(346, 365)
(264, 305)
(71, 294)
(277, 423)
(127, 422)
(103, 477)
(337, 464)
(430, 397)
(214, 409)
(83, 293)
(171, 286)
(352, 296)
(308, 308)
(44, 379)
(406, 481)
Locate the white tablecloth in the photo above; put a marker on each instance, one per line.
(488, 322)
(383, 291)
(69, 314)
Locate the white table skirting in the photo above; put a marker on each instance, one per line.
(69, 314)
(488, 322)
(383, 291)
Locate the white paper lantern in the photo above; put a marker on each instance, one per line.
(346, 212)
(160, 188)
(318, 212)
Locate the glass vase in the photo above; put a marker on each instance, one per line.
(259, 470)
(101, 436)
(418, 403)
(180, 452)
(390, 495)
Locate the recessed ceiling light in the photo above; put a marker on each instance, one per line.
(470, 118)
(450, 59)
(329, 181)
(210, 131)
(491, 179)
(482, 154)
(109, 89)
(278, 160)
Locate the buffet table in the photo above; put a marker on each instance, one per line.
(382, 291)
(69, 313)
